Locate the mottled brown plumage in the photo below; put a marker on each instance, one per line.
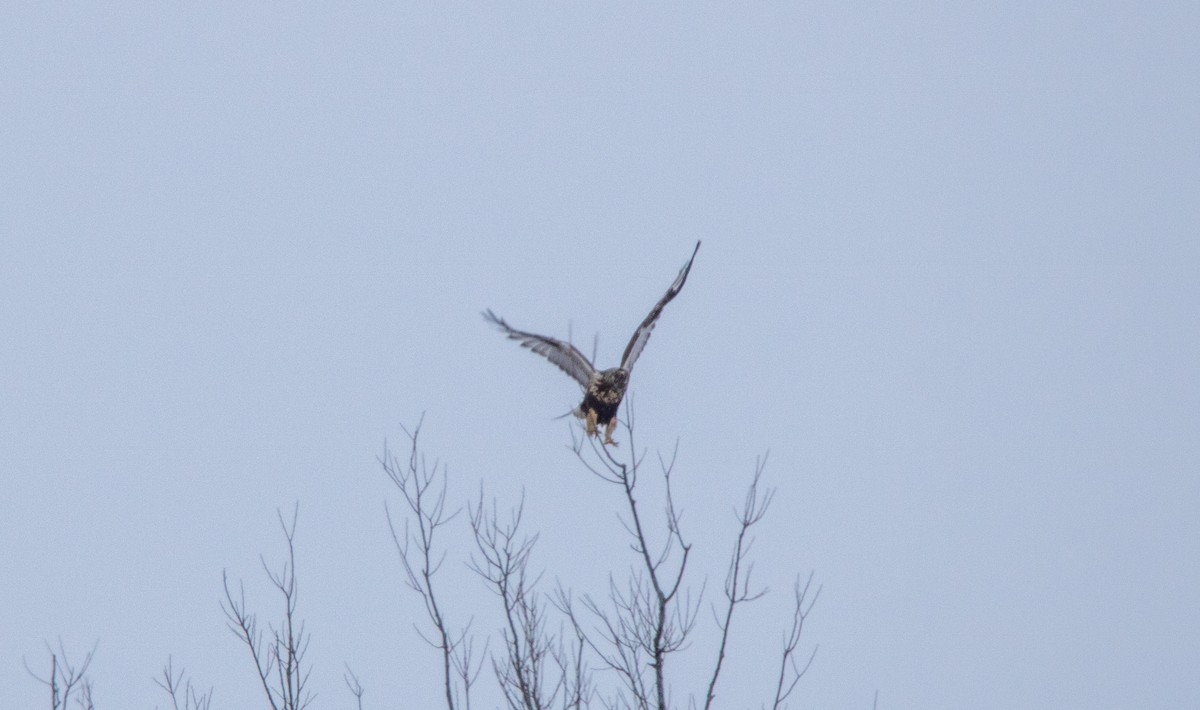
(603, 389)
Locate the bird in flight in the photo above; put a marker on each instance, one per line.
(603, 390)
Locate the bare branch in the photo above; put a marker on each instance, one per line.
(66, 677)
(790, 672)
(85, 695)
(466, 667)
(183, 694)
(355, 687)
(649, 620)
(523, 673)
(278, 661)
(424, 493)
(737, 577)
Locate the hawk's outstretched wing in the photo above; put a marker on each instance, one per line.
(638, 341)
(566, 356)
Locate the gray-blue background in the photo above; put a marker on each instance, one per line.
(949, 279)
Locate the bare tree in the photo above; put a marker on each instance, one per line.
(633, 633)
(278, 656)
(424, 493)
(563, 650)
(67, 677)
(650, 615)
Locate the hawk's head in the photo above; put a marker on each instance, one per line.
(616, 378)
(609, 385)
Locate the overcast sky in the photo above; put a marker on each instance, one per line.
(949, 280)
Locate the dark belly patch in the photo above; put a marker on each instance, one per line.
(605, 411)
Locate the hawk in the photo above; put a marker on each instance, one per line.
(603, 390)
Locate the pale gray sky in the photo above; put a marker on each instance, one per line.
(949, 279)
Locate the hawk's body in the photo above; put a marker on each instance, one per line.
(603, 389)
(601, 399)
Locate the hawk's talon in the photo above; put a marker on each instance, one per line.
(608, 431)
